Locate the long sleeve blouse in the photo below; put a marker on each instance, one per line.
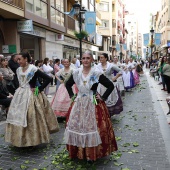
(39, 74)
(102, 79)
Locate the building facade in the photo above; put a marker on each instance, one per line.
(132, 37)
(163, 26)
(51, 31)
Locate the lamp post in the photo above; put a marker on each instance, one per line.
(146, 52)
(78, 11)
(121, 52)
(152, 45)
(131, 51)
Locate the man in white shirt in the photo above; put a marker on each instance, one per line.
(77, 64)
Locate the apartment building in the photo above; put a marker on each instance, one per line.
(133, 37)
(113, 27)
(163, 26)
(105, 29)
(50, 33)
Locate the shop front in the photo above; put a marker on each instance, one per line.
(32, 41)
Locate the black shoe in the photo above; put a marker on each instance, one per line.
(90, 161)
(168, 113)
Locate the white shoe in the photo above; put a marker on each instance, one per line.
(49, 96)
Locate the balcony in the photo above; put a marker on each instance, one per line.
(98, 18)
(12, 9)
(15, 3)
(71, 23)
(98, 1)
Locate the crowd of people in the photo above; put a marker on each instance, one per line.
(160, 70)
(87, 96)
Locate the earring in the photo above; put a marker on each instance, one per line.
(26, 63)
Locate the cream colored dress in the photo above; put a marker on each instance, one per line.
(30, 119)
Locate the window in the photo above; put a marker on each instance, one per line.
(57, 9)
(104, 6)
(38, 7)
(92, 6)
(113, 7)
(85, 4)
(105, 24)
(113, 23)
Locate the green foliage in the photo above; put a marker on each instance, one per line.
(81, 35)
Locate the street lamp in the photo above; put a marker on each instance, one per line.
(151, 45)
(146, 52)
(78, 11)
(131, 51)
(121, 52)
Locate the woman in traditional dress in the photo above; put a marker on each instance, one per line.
(114, 101)
(61, 101)
(30, 119)
(133, 65)
(89, 133)
(121, 87)
(128, 78)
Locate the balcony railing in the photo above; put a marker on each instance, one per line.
(71, 23)
(16, 3)
(98, 14)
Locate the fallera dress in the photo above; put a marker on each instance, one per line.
(114, 102)
(128, 78)
(30, 118)
(61, 101)
(89, 133)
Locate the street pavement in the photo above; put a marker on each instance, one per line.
(141, 130)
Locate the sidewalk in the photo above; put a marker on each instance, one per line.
(161, 95)
(141, 131)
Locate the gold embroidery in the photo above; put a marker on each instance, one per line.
(84, 82)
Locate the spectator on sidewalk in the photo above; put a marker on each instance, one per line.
(53, 74)
(166, 74)
(8, 75)
(13, 64)
(163, 62)
(61, 65)
(48, 70)
(5, 96)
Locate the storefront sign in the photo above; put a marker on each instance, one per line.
(9, 49)
(25, 26)
(37, 31)
(59, 37)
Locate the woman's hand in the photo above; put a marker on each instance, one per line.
(33, 90)
(114, 79)
(61, 81)
(98, 97)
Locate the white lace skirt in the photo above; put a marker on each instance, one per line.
(81, 130)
